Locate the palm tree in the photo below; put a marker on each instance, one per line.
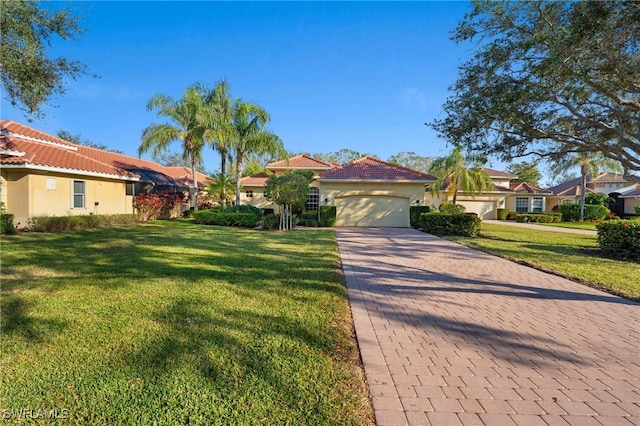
(217, 115)
(454, 173)
(222, 185)
(250, 136)
(186, 127)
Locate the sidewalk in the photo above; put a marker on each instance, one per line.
(452, 336)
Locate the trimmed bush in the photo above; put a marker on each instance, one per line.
(620, 239)
(539, 217)
(245, 208)
(69, 223)
(450, 208)
(414, 215)
(208, 217)
(511, 216)
(637, 209)
(503, 214)
(327, 216)
(571, 212)
(450, 224)
(308, 218)
(6, 224)
(159, 205)
(271, 221)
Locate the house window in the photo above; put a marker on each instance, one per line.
(249, 194)
(313, 200)
(129, 188)
(522, 204)
(79, 192)
(537, 205)
(568, 202)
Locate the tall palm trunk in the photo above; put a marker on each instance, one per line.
(194, 178)
(239, 159)
(223, 172)
(583, 191)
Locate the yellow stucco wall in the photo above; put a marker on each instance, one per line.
(257, 200)
(50, 194)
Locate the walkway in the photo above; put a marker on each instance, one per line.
(449, 335)
(542, 227)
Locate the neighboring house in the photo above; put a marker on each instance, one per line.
(365, 192)
(614, 185)
(43, 175)
(517, 197)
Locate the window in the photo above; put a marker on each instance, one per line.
(537, 205)
(78, 194)
(313, 200)
(568, 202)
(522, 205)
(249, 194)
(129, 188)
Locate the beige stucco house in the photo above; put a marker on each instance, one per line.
(365, 192)
(517, 197)
(43, 175)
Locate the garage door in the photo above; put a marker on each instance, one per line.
(484, 209)
(363, 210)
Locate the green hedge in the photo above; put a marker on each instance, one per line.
(539, 217)
(271, 221)
(620, 239)
(637, 209)
(327, 216)
(208, 217)
(571, 212)
(450, 224)
(503, 214)
(68, 223)
(244, 208)
(6, 224)
(414, 215)
(450, 208)
(308, 218)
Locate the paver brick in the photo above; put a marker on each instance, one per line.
(460, 330)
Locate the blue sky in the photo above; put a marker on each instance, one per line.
(359, 75)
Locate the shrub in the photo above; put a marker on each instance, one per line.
(157, 205)
(271, 221)
(637, 209)
(503, 214)
(511, 216)
(450, 208)
(539, 217)
(208, 217)
(244, 208)
(69, 223)
(308, 218)
(571, 212)
(414, 215)
(6, 224)
(327, 216)
(596, 199)
(620, 239)
(450, 224)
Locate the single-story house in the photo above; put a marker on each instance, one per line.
(517, 197)
(614, 185)
(365, 192)
(43, 175)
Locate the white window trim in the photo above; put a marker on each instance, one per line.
(84, 195)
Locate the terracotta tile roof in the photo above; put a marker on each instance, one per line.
(498, 174)
(527, 188)
(42, 150)
(608, 178)
(8, 127)
(259, 179)
(300, 162)
(372, 169)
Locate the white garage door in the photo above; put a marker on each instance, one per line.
(484, 209)
(364, 210)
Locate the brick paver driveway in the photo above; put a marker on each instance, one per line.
(450, 335)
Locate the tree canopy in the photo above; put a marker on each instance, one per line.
(412, 161)
(549, 78)
(527, 171)
(77, 138)
(342, 156)
(289, 190)
(28, 75)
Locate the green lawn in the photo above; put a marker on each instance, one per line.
(174, 323)
(571, 255)
(590, 226)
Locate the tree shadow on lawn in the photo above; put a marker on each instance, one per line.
(239, 353)
(18, 320)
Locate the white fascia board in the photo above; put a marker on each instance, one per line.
(43, 141)
(68, 171)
